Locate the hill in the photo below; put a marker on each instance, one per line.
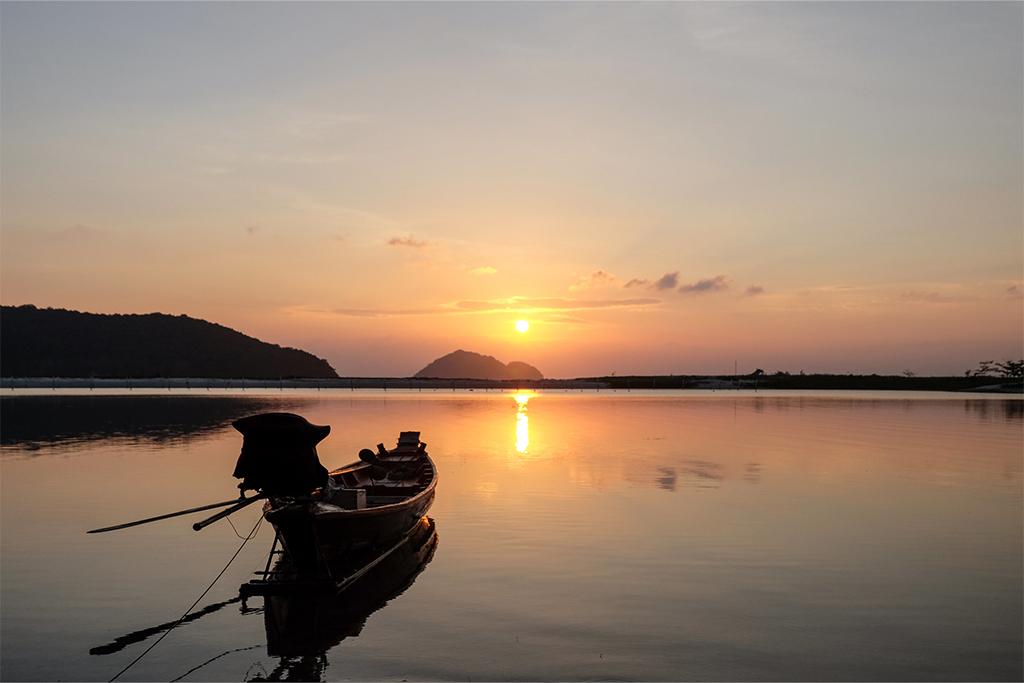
(468, 365)
(54, 342)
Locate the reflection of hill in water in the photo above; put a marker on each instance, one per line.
(34, 422)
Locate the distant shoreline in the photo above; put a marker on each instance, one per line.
(817, 382)
(639, 382)
(290, 383)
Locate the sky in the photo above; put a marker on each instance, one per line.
(657, 187)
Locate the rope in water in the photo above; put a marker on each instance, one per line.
(213, 659)
(244, 541)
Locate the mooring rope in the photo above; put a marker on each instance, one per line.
(244, 541)
(234, 529)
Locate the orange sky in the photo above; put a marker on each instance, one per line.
(656, 187)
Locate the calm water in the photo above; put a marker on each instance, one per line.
(608, 536)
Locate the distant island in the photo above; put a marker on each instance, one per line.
(468, 365)
(55, 342)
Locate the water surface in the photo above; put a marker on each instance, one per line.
(579, 536)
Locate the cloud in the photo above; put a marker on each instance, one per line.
(714, 284)
(1013, 292)
(562, 318)
(596, 279)
(486, 270)
(548, 304)
(514, 303)
(409, 241)
(841, 288)
(384, 313)
(924, 297)
(754, 290)
(666, 281)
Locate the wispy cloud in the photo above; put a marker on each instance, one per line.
(549, 304)
(713, 284)
(562, 318)
(754, 290)
(929, 297)
(596, 279)
(1013, 292)
(924, 297)
(409, 241)
(666, 281)
(485, 270)
(511, 304)
(386, 313)
(842, 288)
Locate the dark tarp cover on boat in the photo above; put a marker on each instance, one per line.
(279, 454)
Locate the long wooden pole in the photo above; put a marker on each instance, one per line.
(171, 514)
(198, 526)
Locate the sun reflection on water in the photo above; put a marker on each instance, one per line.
(522, 422)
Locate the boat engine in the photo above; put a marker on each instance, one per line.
(278, 455)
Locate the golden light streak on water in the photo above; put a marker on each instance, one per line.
(522, 422)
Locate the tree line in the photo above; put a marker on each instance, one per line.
(55, 342)
(1008, 368)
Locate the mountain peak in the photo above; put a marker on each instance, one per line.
(462, 364)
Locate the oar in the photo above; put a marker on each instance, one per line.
(224, 513)
(171, 514)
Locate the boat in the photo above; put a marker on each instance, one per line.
(354, 517)
(308, 624)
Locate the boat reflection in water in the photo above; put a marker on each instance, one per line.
(302, 627)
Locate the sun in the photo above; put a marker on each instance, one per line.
(522, 326)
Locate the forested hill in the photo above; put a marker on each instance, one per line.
(54, 342)
(468, 365)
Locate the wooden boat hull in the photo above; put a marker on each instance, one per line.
(318, 534)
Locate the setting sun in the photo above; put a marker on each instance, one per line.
(522, 325)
